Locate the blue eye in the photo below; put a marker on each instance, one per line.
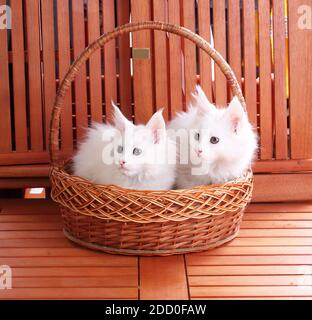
(137, 151)
(197, 136)
(119, 149)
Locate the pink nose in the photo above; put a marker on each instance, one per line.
(199, 151)
(122, 163)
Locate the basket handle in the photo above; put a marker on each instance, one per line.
(101, 41)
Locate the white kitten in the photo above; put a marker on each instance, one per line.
(128, 155)
(221, 142)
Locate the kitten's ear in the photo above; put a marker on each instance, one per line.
(236, 113)
(157, 125)
(120, 121)
(201, 101)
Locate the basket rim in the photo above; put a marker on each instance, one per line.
(147, 206)
(248, 175)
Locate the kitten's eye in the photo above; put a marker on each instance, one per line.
(214, 140)
(196, 136)
(137, 151)
(119, 149)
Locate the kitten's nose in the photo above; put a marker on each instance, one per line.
(199, 152)
(122, 163)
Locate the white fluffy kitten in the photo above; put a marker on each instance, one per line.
(128, 155)
(221, 142)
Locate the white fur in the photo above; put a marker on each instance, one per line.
(150, 170)
(217, 163)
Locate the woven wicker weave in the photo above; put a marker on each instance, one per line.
(118, 220)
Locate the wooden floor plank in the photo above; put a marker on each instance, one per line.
(29, 206)
(163, 278)
(118, 281)
(264, 280)
(256, 291)
(289, 241)
(35, 243)
(276, 224)
(275, 233)
(101, 261)
(14, 226)
(193, 260)
(76, 271)
(49, 252)
(70, 293)
(32, 234)
(253, 298)
(45, 265)
(270, 258)
(30, 218)
(302, 206)
(242, 251)
(248, 270)
(285, 216)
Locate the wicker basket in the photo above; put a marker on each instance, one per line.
(140, 222)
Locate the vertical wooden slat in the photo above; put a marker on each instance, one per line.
(234, 38)
(219, 34)
(124, 51)
(300, 66)
(167, 274)
(81, 79)
(280, 105)
(266, 151)
(109, 57)
(19, 89)
(188, 10)
(63, 65)
(142, 69)
(48, 51)
(34, 74)
(5, 120)
(95, 62)
(204, 24)
(175, 60)
(160, 59)
(250, 59)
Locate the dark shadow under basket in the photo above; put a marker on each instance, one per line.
(141, 222)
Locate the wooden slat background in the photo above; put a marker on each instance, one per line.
(48, 57)
(142, 68)
(95, 83)
(204, 24)
(64, 61)
(265, 89)
(33, 79)
(109, 58)
(5, 120)
(300, 61)
(161, 59)
(80, 86)
(19, 84)
(55, 32)
(219, 34)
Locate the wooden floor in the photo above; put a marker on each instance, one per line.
(270, 259)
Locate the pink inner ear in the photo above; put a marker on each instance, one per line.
(156, 136)
(235, 121)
